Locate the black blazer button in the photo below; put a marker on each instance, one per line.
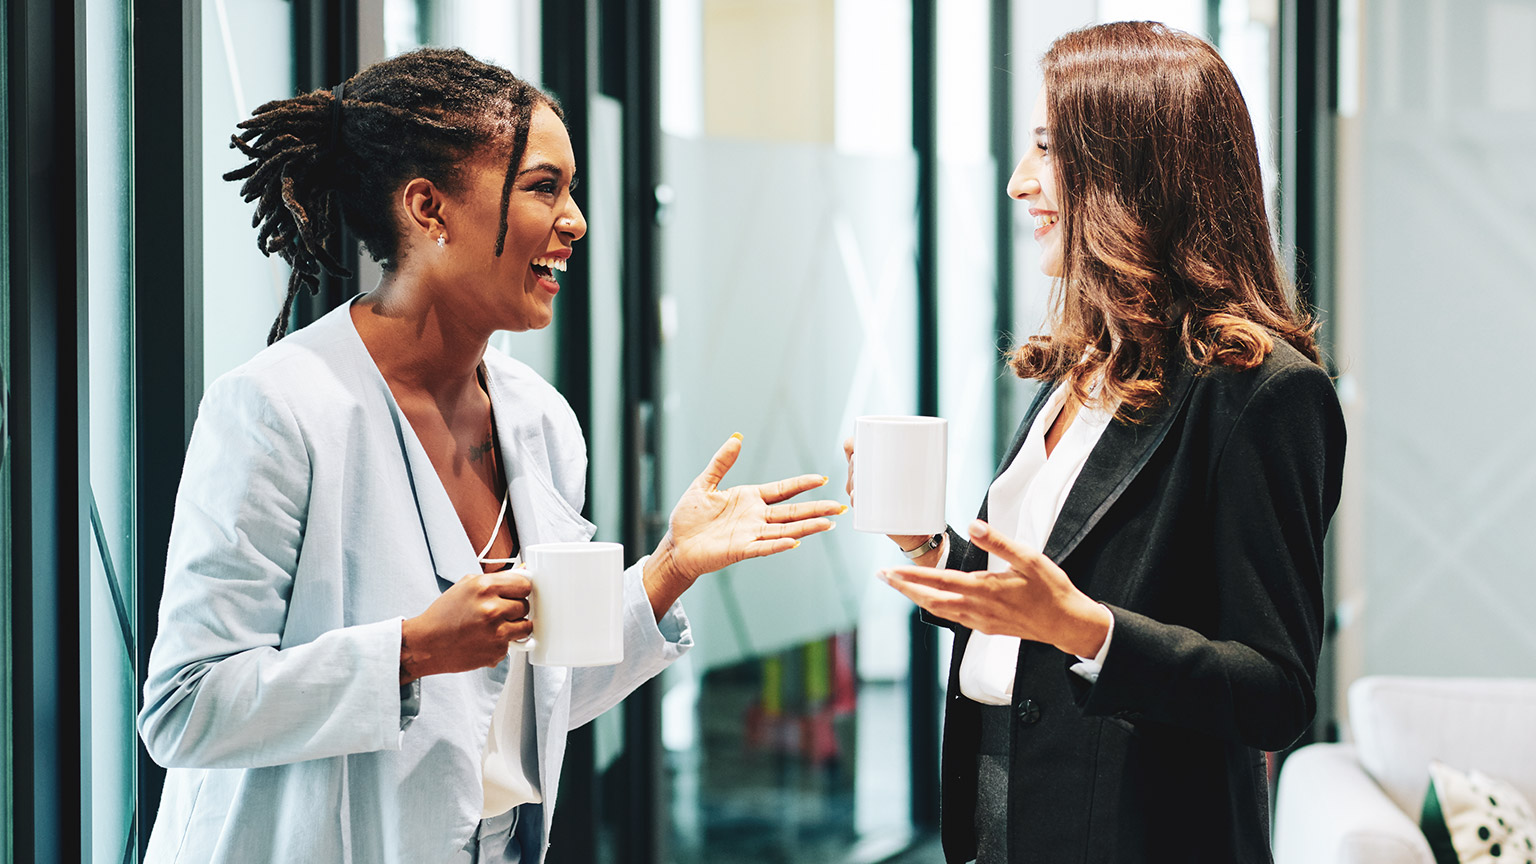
(1029, 712)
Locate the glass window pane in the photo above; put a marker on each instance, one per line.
(967, 195)
(110, 743)
(247, 60)
(788, 309)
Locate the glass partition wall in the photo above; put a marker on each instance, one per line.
(787, 302)
(787, 309)
(109, 677)
(246, 61)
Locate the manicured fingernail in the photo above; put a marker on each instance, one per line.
(831, 526)
(737, 436)
(978, 528)
(843, 510)
(796, 546)
(823, 479)
(883, 576)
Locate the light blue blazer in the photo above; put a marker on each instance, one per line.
(308, 524)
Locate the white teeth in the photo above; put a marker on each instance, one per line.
(551, 263)
(1045, 219)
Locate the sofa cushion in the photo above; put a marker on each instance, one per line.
(1401, 724)
(1471, 818)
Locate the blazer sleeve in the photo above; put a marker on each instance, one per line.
(220, 691)
(1275, 486)
(958, 557)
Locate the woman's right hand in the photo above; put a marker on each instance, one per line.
(467, 627)
(902, 541)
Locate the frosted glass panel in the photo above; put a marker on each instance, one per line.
(1438, 304)
(788, 311)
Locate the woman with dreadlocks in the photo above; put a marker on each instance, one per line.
(332, 644)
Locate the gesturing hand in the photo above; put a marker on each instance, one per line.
(712, 527)
(467, 627)
(1032, 599)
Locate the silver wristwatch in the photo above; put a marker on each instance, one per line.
(923, 548)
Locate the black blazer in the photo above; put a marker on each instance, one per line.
(1202, 529)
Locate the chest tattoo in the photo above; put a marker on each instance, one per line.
(478, 451)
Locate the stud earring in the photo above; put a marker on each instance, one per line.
(442, 240)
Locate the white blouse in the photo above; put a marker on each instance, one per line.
(1023, 503)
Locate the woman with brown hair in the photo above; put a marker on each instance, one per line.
(1138, 609)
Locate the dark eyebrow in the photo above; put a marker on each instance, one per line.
(544, 166)
(1040, 130)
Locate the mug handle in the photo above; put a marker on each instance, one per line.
(528, 643)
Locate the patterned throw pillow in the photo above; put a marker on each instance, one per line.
(1474, 819)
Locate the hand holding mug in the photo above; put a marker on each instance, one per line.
(467, 627)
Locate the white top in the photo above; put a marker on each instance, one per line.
(1023, 503)
(511, 745)
(504, 775)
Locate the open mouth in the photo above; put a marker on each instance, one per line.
(545, 267)
(1045, 220)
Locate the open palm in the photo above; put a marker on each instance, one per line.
(712, 528)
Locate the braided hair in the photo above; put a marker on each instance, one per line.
(330, 157)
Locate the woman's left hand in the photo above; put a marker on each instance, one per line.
(1033, 599)
(713, 527)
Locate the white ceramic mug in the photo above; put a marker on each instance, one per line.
(577, 604)
(899, 472)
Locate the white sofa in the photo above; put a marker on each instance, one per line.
(1359, 802)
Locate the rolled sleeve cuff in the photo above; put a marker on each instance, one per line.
(670, 637)
(379, 644)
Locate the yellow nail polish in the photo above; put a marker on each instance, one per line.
(824, 479)
(843, 510)
(737, 436)
(796, 546)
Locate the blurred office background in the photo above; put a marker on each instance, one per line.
(801, 194)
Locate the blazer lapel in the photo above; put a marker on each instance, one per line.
(542, 513)
(542, 516)
(1115, 461)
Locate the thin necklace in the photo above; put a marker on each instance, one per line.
(496, 475)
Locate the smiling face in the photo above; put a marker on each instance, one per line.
(1034, 182)
(518, 287)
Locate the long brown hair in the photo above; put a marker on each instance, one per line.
(1166, 244)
